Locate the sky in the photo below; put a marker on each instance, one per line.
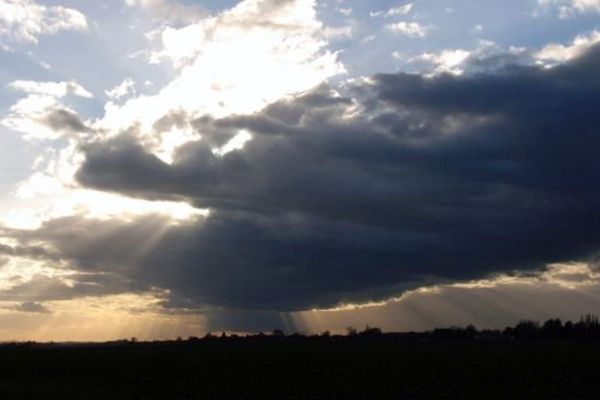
(176, 167)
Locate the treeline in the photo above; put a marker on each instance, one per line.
(587, 328)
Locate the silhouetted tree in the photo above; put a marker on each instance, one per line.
(552, 329)
(471, 331)
(371, 332)
(527, 330)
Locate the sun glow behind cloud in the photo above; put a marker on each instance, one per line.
(233, 63)
(236, 62)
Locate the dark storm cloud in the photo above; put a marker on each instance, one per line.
(249, 321)
(34, 252)
(416, 180)
(233, 260)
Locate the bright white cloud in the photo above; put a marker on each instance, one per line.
(410, 29)
(235, 62)
(40, 115)
(26, 20)
(570, 8)
(345, 11)
(121, 90)
(394, 11)
(236, 143)
(446, 61)
(558, 53)
(400, 10)
(54, 89)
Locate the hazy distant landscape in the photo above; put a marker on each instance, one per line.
(528, 361)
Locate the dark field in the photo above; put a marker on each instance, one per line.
(319, 369)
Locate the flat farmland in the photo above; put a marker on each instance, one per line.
(307, 369)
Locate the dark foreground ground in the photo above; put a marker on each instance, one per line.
(275, 369)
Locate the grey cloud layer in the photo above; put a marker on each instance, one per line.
(338, 199)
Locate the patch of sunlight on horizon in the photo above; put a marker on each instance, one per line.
(98, 319)
(434, 306)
